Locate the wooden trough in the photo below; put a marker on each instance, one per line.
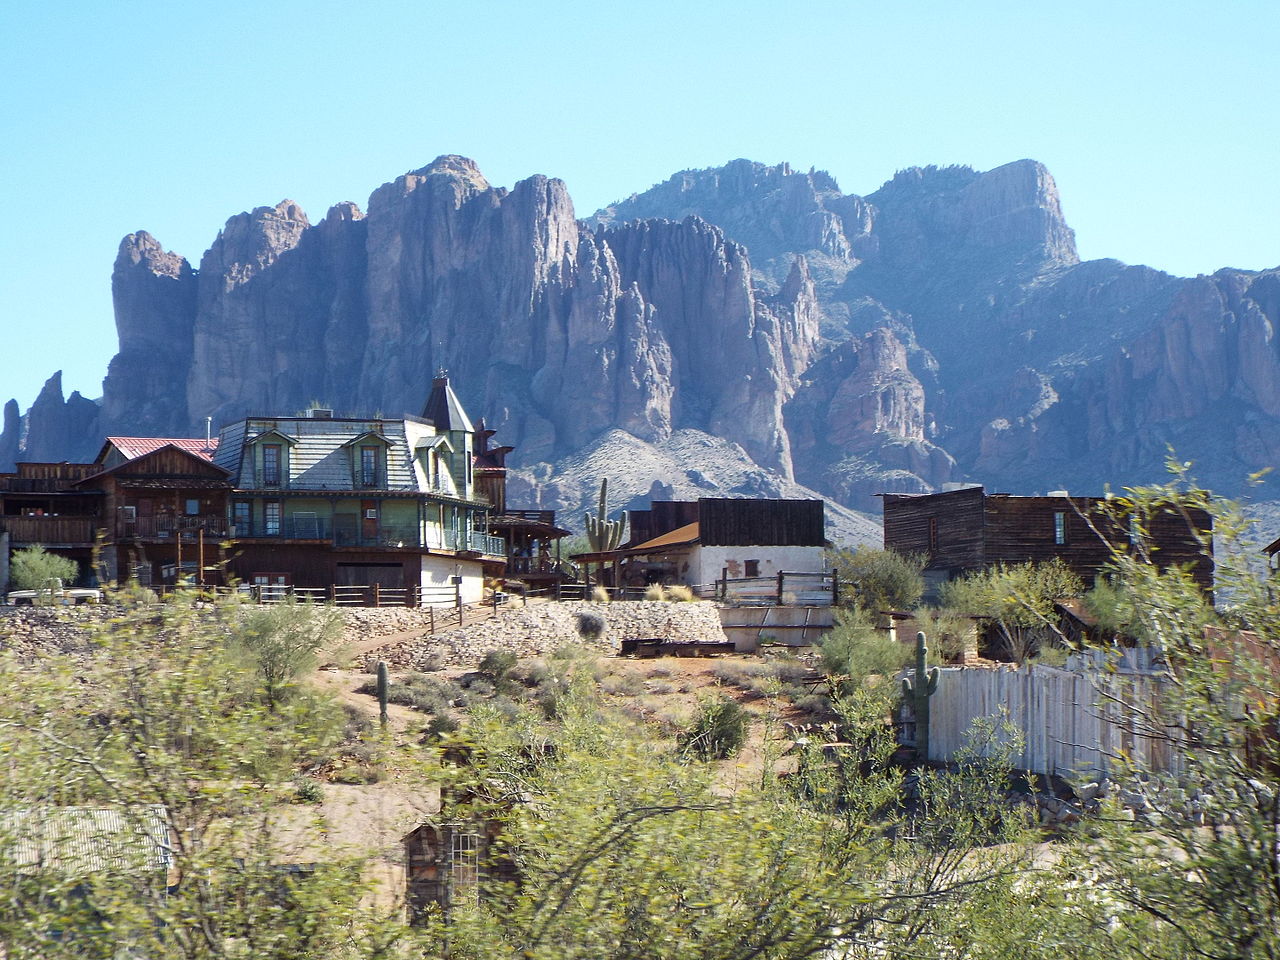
(649, 647)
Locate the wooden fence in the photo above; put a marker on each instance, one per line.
(782, 589)
(1072, 723)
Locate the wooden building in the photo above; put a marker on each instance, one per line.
(701, 541)
(40, 505)
(969, 529)
(146, 507)
(164, 510)
(321, 500)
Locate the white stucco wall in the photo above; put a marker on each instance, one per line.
(710, 562)
(439, 572)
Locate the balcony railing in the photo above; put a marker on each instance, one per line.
(166, 527)
(521, 566)
(29, 530)
(288, 528)
(348, 534)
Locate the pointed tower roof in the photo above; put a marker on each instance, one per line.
(444, 409)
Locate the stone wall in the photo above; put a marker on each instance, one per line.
(536, 629)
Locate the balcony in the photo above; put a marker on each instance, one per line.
(166, 527)
(289, 528)
(68, 531)
(349, 532)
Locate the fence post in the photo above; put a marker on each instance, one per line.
(377, 594)
(835, 589)
(333, 593)
(780, 576)
(557, 590)
(457, 597)
(432, 608)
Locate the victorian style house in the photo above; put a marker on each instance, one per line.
(320, 500)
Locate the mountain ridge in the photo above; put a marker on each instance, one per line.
(940, 329)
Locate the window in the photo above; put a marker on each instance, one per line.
(271, 464)
(271, 518)
(1059, 527)
(369, 466)
(752, 568)
(192, 508)
(242, 517)
(464, 863)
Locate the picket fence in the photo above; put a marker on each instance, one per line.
(1070, 723)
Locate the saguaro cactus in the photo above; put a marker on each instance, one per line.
(917, 690)
(602, 533)
(382, 692)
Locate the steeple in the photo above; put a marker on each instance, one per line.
(443, 407)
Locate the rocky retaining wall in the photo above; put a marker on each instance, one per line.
(49, 629)
(541, 628)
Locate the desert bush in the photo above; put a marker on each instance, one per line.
(600, 594)
(857, 650)
(879, 579)
(590, 625)
(679, 593)
(498, 663)
(623, 685)
(284, 641)
(308, 791)
(655, 592)
(718, 730)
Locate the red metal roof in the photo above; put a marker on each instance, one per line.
(134, 447)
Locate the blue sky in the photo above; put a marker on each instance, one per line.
(1158, 120)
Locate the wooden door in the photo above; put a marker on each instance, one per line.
(368, 520)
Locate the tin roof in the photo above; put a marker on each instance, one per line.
(82, 840)
(444, 409)
(133, 447)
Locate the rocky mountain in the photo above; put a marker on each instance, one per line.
(940, 329)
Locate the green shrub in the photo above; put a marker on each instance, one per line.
(308, 791)
(498, 663)
(718, 730)
(857, 650)
(33, 567)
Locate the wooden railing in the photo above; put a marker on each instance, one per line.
(164, 527)
(49, 530)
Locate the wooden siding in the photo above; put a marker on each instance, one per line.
(49, 531)
(311, 566)
(958, 518)
(974, 529)
(752, 522)
(663, 516)
(1021, 529)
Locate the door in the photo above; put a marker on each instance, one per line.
(369, 521)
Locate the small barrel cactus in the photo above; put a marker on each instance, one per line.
(917, 690)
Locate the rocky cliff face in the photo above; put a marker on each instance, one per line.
(941, 328)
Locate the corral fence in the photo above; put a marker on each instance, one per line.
(1069, 723)
(781, 589)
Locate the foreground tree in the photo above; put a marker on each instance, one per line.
(170, 774)
(1019, 599)
(33, 567)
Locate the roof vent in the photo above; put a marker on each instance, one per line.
(320, 413)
